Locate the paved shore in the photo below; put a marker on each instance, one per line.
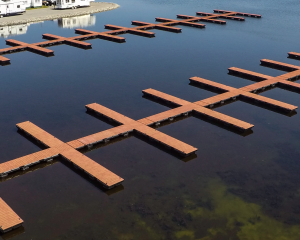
(43, 14)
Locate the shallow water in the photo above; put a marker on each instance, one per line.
(239, 188)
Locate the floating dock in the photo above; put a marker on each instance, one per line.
(145, 126)
(93, 169)
(188, 107)
(294, 55)
(140, 29)
(9, 220)
(244, 93)
(141, 128)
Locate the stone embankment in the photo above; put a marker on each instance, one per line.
(44, 14)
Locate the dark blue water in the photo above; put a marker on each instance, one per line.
(238, 188)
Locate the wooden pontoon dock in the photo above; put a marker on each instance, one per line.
(9, 220)
(140, 29)
(145, 126)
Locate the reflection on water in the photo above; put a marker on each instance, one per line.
(13, 233)
(71, 22)
(79, 21)
(8, 31)
(13, 30)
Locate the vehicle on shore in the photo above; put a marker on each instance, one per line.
(49, 2)
(33, 3)
(65, 4)
(11, 7)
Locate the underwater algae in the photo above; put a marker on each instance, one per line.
(243, 220)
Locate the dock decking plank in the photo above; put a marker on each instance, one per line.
(8, 218)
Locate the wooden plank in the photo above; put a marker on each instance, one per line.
(294, 54)
(259, 85)
(4, 60)
(279, 65)
(238, 13)
(8, 218)
(272, 102)
(32, 47)
(163, 96)
(166, 140)
(105, 135)
(218, 99)
(289, 85)
(23, 162)
(212, 84)
(38, 133)
(166, 115)
(227, 120)
(117, 117)
(248, 74)
(103, 175)
(69, 41)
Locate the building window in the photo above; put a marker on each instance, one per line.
(18, 6)
(73, 1)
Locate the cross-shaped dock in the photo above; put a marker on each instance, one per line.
(56, 148)
(140, 29)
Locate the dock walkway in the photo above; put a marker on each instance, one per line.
(9, 220)
(140, 28)
(145, 126)
(93, 169)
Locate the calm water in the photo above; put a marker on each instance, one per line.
(238, 188)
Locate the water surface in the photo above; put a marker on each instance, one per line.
(239, 188)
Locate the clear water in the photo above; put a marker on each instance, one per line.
(238, 188)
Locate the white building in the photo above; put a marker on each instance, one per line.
(64, 4)
(13, 30)
(11, 7)
(33, 3)
(79, 21)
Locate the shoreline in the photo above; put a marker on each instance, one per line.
(44, 14)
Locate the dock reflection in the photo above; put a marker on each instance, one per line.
(16, 232)
(70, 22)
(8, 31)
(78, 21)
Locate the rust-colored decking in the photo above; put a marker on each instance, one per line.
(140, 29)
(247, 93)
(131, 125)
(144, 126)
(8, 218)
(21, 46)
(244, 93)
(187, 107)
(93, 169)
(294, 55)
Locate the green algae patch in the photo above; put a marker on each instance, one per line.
(185, 234)
(232, 217)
